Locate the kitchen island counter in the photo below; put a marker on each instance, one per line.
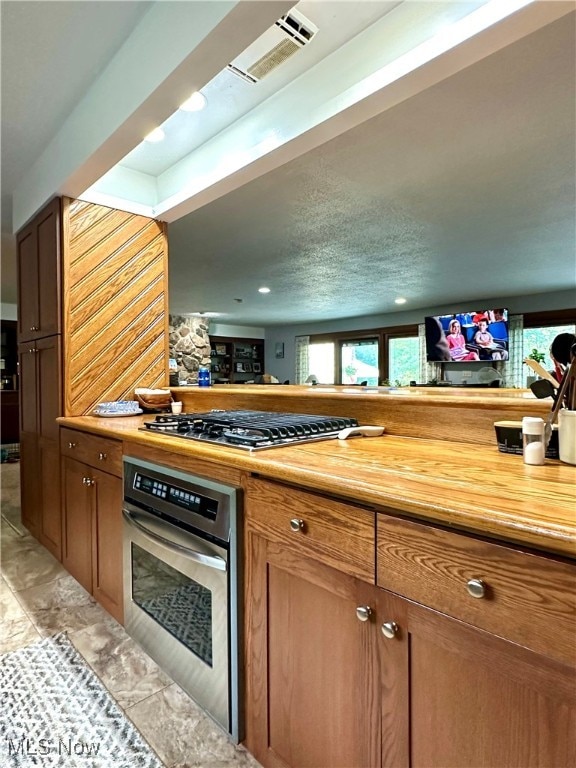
(466, 486)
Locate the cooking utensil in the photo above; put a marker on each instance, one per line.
(543, 388)
(540, 371)
(366, 431)
(568, 387)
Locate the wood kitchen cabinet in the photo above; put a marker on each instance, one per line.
(477, 700)
(313, 696)
(40, 399)
(92, 284)
(38, 258)
(92, 504)
(414, 670)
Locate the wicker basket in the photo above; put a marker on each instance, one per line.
(153, 400)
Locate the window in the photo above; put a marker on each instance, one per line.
(359, 362)
(541, 328)
(321, 361)
(371, 356)
(541, 338)
(403, 359)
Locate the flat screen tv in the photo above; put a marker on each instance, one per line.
(467, 337)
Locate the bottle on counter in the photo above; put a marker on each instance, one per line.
(204, 377)
(534, 450)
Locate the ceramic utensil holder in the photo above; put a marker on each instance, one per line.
(567, 435)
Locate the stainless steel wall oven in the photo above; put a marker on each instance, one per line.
(182, 580)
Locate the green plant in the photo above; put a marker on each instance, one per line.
(539, 357)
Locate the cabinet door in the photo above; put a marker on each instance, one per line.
(313, 693)
(30, 491)
(77, 529)
(48, 386)
(28, 398)
(107, 571)
(28, 303)
(477, 700)
(48, 239)
(51, 517)
(38, 255)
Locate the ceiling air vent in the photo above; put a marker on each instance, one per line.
(288, 35)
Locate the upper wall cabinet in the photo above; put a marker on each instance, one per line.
(39, 264)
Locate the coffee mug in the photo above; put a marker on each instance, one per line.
(567, 436)
(176, 407)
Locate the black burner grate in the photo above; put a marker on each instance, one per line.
(251, 429)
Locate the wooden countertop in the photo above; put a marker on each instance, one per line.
(438, 395)
(472, 487)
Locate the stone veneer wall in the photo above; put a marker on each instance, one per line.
(189, 344)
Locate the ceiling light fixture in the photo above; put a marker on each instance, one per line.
(195, 103)
(155, 136)
(263, 290)
(400, 300)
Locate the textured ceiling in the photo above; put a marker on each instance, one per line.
(464, 191)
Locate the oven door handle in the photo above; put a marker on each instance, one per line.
(212, 561)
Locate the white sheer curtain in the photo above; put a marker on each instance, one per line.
(423, 375)
(513, 370)
(428, 371)
(302, 359)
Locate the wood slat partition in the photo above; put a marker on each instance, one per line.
(115, 304)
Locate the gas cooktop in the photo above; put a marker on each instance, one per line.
(250, 430)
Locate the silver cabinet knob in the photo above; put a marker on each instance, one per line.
(296, 524)
(71, 445)
(102, 456)
(390, 629)
(363, 612)
(87, 481)
(476, 588)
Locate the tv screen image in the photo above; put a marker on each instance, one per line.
(467, 337)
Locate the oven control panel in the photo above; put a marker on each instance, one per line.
(180, 497)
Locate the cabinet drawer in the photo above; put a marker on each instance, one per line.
(528, 599)
(100, 452)
(336, 534)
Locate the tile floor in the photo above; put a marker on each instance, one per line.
(39, 598)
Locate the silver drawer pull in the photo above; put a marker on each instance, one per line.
(476, 588)
(390, 629)
(87, 481)
(363, 612)
(71, 445)
(296, 524)
(102, 456)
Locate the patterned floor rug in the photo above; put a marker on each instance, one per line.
(54, 711)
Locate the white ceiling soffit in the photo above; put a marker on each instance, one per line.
(174, 47)
(354, 82)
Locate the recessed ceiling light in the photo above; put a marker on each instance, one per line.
(263, 290)
(400, 300)
(155, 136)
(195, 103)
